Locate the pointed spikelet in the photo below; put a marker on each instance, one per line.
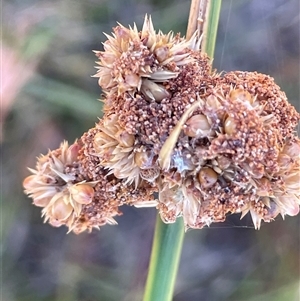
(117, 152)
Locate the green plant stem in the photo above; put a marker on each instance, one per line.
(210, 27)
(164, 261)
(168, 238)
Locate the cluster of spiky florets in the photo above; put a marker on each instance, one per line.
(228, 158)
(207, 145)
(141, 61)
(55, 186)
(75, 190)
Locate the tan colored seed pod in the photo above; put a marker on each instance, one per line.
(133, 80)
(102, 140)
(110, 121)
(125, 139)
(42, 202)
(82, 193)
(264, 188)
(293, 179)
(153, 91)
(29, 181)
(207, 177)
(241, 94)
(55, 223)
(285, 162)
(197, 126)
(150, 174)
(292, 149)
(61, 209)
(213, 103)
(162, 53)
(223, 162)
(230, 126)
(143, 159)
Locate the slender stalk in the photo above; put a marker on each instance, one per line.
(210, 26)
(164, 261)
(194, 18)
(168, 238)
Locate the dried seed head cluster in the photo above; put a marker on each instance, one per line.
(55, 187)
(134, 60)
(206, 144)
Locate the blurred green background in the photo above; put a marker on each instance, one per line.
(48, 94)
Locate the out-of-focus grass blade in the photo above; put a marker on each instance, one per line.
(76, 101)
(37, 43)
(287, 292)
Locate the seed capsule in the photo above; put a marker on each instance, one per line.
(125, 139)
(290, 204)
(110, 121)
(105, 80)
(292, 149)
(61, 210)
(55, 223)
(213, 102)
(293, 179)
(82, 193)
(106, 59)
(149, 174)
(133, 80)
(223, 162)
(207, 177)
(72, 153)
(153, 91)
(42, 202)
(29, 181)
(197, 126)
(104, 144)
(100, 139)
(162, 53)
(264, 188)
(241, 94)
(123, 33)
(285, 162)
(230, 126)
(144, 159)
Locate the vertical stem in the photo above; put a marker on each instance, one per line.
(210, 26)
(194, 18)
(204, 17)
(168, 238)
(164, 261)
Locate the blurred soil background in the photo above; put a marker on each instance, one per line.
(48, 95)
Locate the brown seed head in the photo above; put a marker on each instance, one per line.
(209, 144)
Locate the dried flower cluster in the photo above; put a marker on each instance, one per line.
(206, 144)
